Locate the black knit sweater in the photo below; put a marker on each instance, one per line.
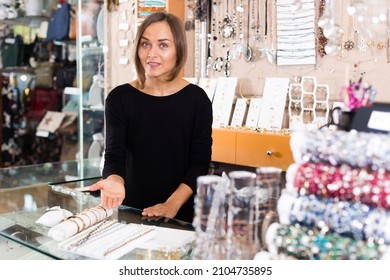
(156, 143)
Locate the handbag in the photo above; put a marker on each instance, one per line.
(58, 27)
(42, 100)
(41, 50)
(44, 74)
(65, 75)
(12, 51)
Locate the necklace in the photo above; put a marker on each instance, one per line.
(99, 229)
(257, 38)
(349, 44)
(248, 51)
(227, 27)
(123, 243)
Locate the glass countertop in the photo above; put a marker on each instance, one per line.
(28, 175)
(21, 206)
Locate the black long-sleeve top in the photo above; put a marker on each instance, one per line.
(156, 143)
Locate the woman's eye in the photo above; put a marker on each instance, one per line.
(144, 44)
(163, 45)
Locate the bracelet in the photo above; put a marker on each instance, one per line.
(94, 214)
(88, 217)
(104, 209)
(71, 219)
(270, 218)
(82, 222)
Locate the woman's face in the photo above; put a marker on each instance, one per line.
(157, 51)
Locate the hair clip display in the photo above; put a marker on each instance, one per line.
(357, 95)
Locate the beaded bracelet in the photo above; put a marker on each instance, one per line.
(345, 183)
(357, 149)
(350, 219)
(307, 243)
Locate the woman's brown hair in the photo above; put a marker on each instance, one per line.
(180, 42)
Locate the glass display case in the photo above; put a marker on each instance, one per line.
(90, 77)
(22, 206)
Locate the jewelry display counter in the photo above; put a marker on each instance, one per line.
(22, 206)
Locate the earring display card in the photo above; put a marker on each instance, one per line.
(239, 113)
(253, 113)
(274, 101)
(208, 85)
(223, 101)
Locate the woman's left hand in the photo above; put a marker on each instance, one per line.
(165, 209)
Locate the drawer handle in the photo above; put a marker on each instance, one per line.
(269, 153)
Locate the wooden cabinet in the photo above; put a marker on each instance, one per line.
(224, 146)
(250, 148)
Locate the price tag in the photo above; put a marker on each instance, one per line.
(379, 120)
(10, 40)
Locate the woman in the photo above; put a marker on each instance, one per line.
(158, 128)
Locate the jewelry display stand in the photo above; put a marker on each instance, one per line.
(308, 104)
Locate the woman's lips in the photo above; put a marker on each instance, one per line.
(153, 64)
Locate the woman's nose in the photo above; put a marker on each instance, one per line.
(152, 52)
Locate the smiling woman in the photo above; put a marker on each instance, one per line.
(157, 51)
(156, 38)
(158, 128)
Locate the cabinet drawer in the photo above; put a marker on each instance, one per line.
(224, 146)
(263, 149)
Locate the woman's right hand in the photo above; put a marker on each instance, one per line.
(112, 191)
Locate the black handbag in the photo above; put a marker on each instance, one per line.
(65, 75)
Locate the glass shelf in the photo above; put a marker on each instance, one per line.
(90, 76)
